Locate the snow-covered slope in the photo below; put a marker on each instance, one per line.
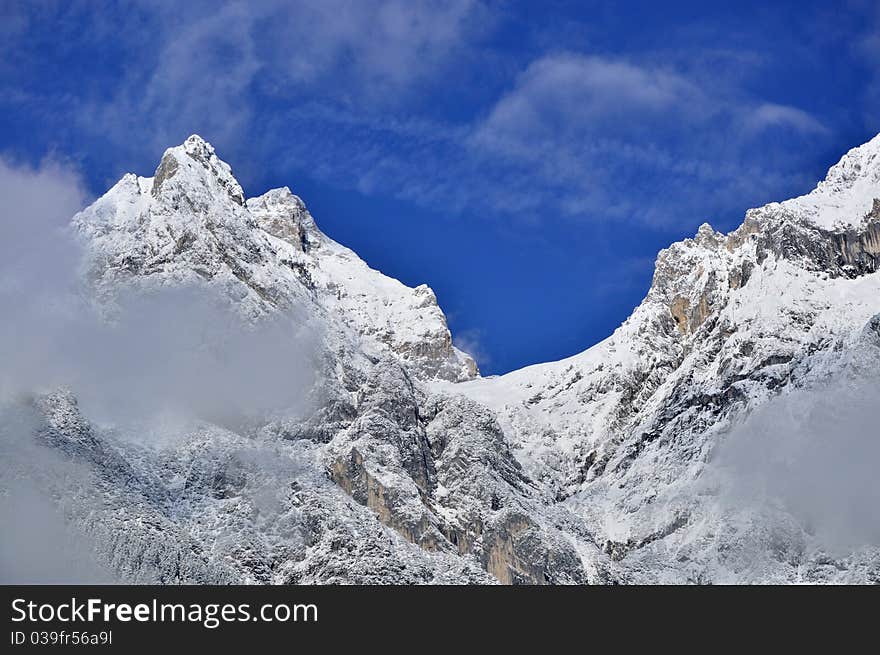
(730, 321)
(409, 467)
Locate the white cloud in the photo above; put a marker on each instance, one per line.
(203, 64)
(471, 342)
(387, 44)
(771, 115)
(609, 138)
(35, 199)
(192, 75)
(814, 453)
(567, 95)
(52, 335)
(37, 206)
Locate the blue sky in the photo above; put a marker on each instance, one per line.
(527, 160)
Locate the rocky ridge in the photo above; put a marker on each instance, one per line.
(409, 467)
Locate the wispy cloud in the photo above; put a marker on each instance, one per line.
(588, 137)
(867, 51)
(770, 115)
(471, 342)
(600, 124)
(375, 47)
(208, 65)
(569, 95)
(341, 91)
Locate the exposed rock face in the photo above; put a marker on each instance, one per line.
(846, 251)
(284, 215)
(408, 467)
(440, 472)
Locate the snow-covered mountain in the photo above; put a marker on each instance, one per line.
(619, 431)
(408, 466)
(190, 223)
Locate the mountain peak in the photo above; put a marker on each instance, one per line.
(846, 196)
(280, 196)
(197, 148)
(284, 215)
(195, 140)
(195, 162)
(860, 162)
(706, 235)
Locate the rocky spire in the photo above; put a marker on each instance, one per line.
(195, 162)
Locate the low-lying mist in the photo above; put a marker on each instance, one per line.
(154, 362)
(39, 545)
(813, 453)
(165, 350)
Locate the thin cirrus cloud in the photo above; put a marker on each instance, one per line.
(867, 48)
(601, 137)
(382, 45)
(342, 90)
(584, 136)
(567, 95)
(769, 115)
(593, 121)
(209, 71)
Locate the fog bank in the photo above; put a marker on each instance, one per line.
(815, 454)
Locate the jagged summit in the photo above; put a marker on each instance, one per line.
(284, 215)
(597, 468)
(847, 198)
(707, 235)
(190, 224)
(195, 162)
(846, 195)
(860, 162)
(195, 143)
